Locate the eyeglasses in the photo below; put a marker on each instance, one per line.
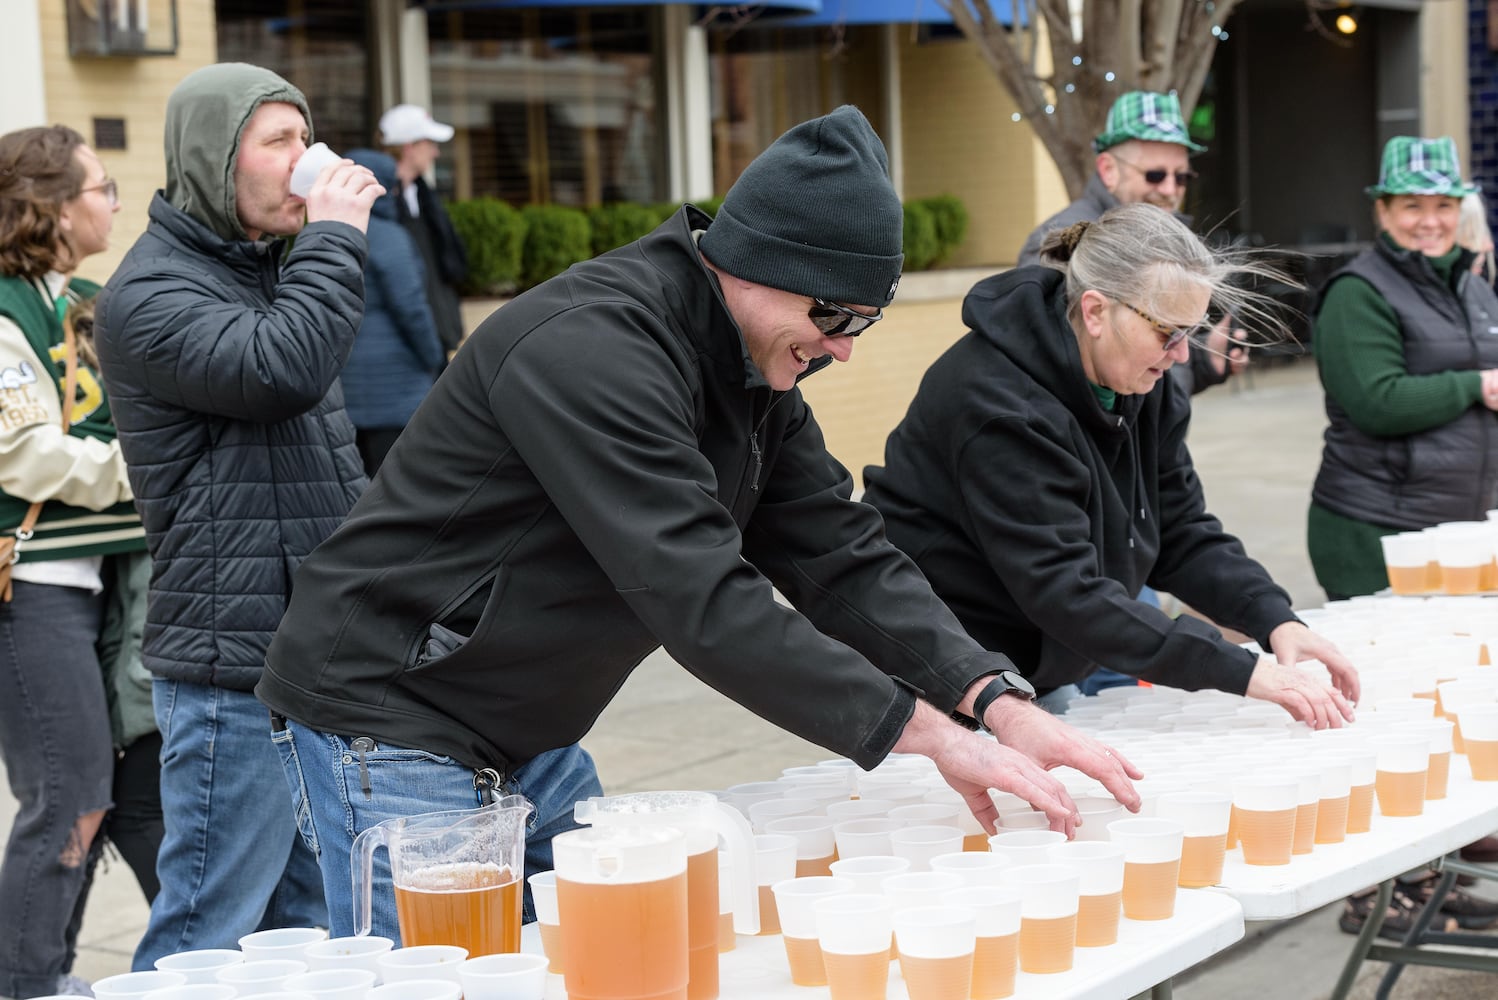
(1158, 174)
(836, 320)
(109, 187)
(1169, 336)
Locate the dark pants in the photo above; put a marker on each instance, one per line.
(59, 759)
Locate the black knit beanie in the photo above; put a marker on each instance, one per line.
(815, 214)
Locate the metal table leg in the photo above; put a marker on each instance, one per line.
(1364, 942)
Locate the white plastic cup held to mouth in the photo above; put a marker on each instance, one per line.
(312, 163)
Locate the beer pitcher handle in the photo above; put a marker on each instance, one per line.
(739, 838)
(363, 875)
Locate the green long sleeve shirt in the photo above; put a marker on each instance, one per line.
(1360, 355)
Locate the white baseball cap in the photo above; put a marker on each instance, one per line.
(406, 123)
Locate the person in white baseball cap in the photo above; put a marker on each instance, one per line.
(410, 134)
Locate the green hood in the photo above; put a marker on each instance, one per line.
(204, 118)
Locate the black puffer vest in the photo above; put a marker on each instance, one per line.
(1448, 473)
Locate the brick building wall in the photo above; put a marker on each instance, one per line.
(134, 89)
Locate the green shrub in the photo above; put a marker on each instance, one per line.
(950, 218)
(556, 237)
(620, 223)
(921, 246)
(493, 233)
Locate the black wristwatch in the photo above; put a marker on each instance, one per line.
(1004, 682)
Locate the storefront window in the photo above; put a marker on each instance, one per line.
(318, 45)
(550, 105)
(767, 78)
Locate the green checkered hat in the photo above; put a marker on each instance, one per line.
(1143, 114)
(1420, 166)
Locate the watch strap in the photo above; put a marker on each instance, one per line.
(992, 691)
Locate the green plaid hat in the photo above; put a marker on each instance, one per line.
(1420, 166)
(1143, 114)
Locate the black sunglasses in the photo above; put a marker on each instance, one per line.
(1158, 174)
(838, 320)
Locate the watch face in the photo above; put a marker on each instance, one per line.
(1018, 682)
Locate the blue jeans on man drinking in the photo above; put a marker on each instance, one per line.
(232, 862)
(331, 807)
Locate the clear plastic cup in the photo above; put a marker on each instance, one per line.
(857, 837)
(200, 965)
(1205, 817)
(774, 861)
(936, 950)
(548, 917)
(309, 166)
(996, 945)
(919, 844)
(859, 809)
(816, 844)
(1025, 819)
(927, 814)
(1263, 817)
(1026, 847)
(760, 813)
(332, 984)
(1100, 891)
(973, 868)
(351, 953)
(1152, 865)
(134, 985)
(868, 872)
(1407, 556)
(1479, 724)
(1439, 732)
(264, 976)
(1097, 811)
(1048, 915)
(196, 991)
(424, 961)
(504, 977)
(417, 989)
(1403, 767)
(795, 900)
(283, 942)
(854, 932)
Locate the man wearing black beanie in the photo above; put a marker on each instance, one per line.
(618, 460)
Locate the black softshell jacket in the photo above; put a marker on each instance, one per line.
(1037, 515)
(601, 471)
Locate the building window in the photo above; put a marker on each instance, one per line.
(550, 104)
(317, 45)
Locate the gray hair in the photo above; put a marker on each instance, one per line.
(1136, 251)
(1472, 232)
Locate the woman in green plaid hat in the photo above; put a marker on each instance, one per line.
(1407, 343)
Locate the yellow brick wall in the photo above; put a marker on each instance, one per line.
(959, 140)
(79, 90)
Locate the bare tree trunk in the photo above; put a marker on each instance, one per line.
(1160, 45)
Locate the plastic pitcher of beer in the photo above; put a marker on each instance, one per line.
(703, 820)
(622, 906)
(458, 875)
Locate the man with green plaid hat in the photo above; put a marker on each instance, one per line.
(1143, 155)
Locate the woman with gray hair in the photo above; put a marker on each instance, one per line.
(1041, 476)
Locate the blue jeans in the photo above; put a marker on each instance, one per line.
(232, 862)
(59, 757)
(331, 807)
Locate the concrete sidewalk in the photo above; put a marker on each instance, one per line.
(1256, 443)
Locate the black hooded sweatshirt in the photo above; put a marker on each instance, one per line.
(1038, 515)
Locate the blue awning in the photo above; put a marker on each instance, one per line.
(874, 12)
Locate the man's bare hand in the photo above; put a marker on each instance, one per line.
(1050, 742)
(343, 192)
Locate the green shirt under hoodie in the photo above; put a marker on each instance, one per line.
(1360, 351)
